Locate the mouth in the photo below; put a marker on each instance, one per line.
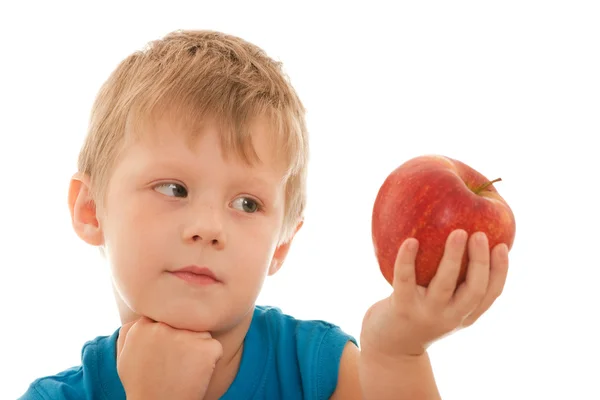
(195, 275)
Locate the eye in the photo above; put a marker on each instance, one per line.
(246, 204)
(172, 189)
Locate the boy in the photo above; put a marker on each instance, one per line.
(192, 182)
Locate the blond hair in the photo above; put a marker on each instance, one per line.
(200, 74)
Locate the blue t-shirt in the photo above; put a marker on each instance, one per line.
(283, 358)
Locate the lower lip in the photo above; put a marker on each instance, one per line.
(201, 280)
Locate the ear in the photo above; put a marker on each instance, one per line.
(83, 211)
(282, 251)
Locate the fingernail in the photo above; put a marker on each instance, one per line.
(460, 236)
(504, 252)
(481, 238)
(412, 244)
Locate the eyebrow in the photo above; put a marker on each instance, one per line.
(255, 181)
(244, 176)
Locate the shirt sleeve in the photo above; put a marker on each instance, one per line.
(320, 346)
(63, 386)
(35, 393)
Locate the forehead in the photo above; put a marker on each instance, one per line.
(253, 145)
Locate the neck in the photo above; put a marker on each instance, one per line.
(229, 364)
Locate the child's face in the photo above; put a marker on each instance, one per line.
(172, 203)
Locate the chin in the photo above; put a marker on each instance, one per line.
(198, 319)
(188, 319)
(188, 313)
(190, 324)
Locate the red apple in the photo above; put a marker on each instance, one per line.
(428, 197)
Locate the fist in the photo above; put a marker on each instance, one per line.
(156, 361)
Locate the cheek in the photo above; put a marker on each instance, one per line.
(133, 250)
(253, 252)
(135, 228)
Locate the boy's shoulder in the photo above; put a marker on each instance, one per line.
(296, 358)
(278, 319)
(46, 387)
(279, 325)
(75, 382)
(307, 336)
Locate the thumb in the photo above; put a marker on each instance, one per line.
(122, 336)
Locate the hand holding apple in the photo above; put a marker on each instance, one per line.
(427, 198)
(408, 321)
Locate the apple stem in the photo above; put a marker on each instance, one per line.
(482, 187)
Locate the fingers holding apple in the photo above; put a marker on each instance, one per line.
(486, 276)
(471, 292)
(404, 275)
(443, 285)
(497, 279)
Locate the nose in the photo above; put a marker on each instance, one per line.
(205, 225)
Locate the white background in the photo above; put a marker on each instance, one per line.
(511, 88)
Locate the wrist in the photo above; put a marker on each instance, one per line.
(136, 394)
(397, 377)
(406, 354)
(393, 361)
